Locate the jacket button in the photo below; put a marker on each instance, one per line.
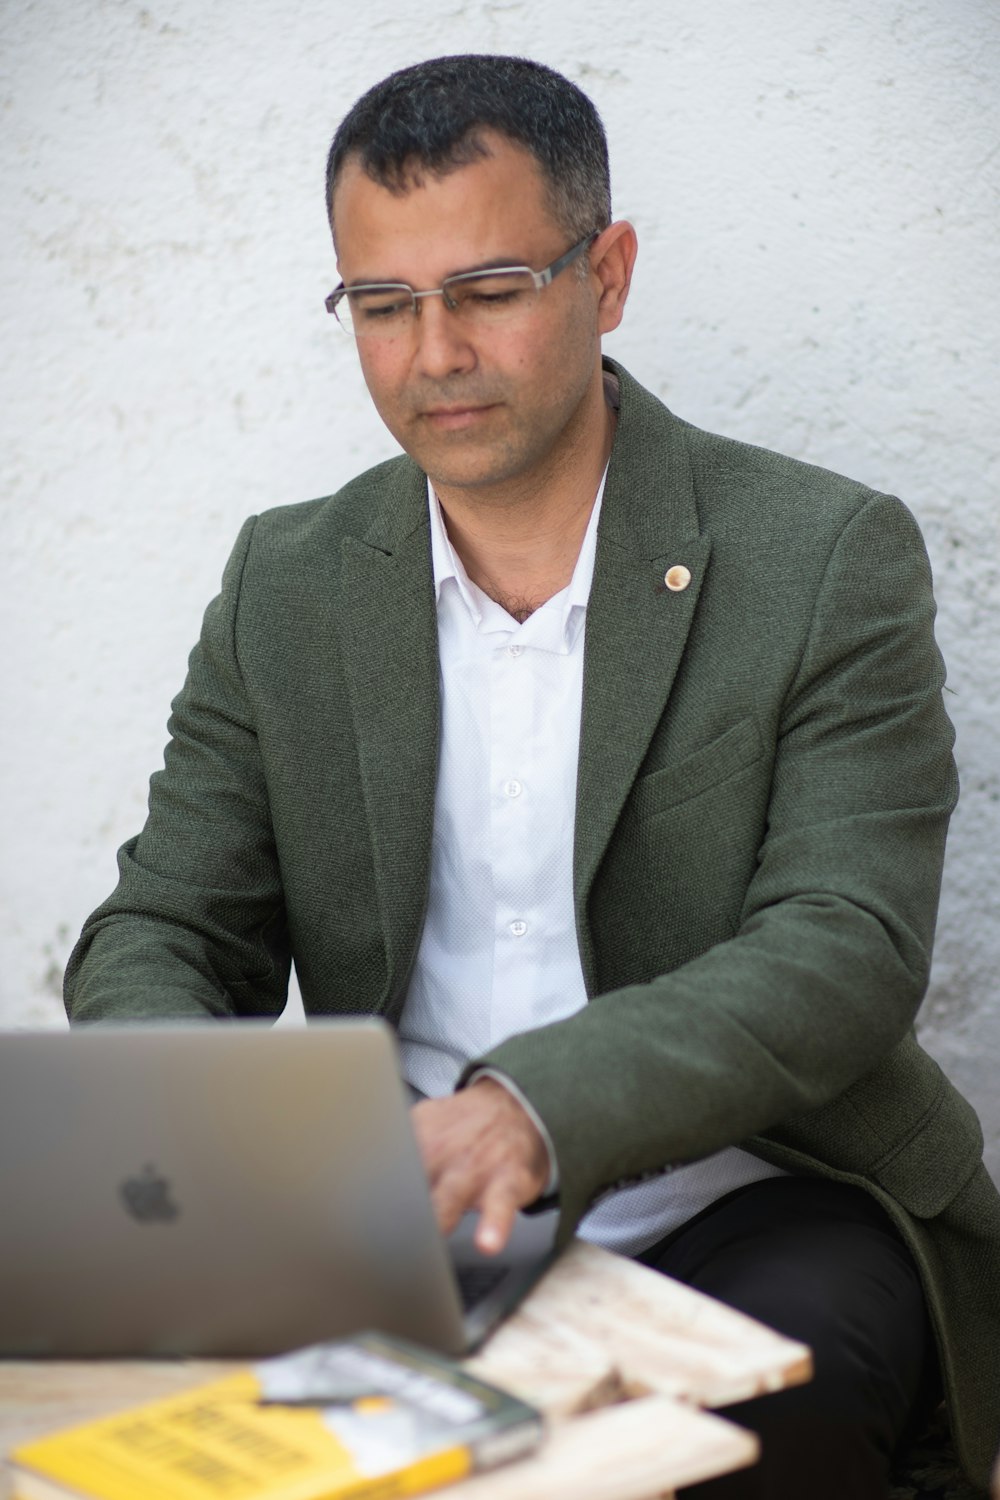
(676, 578)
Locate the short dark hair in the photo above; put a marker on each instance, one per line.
(426, 118)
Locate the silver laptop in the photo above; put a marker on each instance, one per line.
(227, 1189)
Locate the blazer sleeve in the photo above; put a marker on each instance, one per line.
(830, 954)
(196, 925)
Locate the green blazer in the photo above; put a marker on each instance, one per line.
(765, 779)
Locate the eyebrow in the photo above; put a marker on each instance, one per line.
(498, 263)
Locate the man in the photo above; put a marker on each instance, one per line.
(606, 758)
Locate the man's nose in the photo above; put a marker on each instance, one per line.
(443, 343)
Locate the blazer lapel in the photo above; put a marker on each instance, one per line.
(637, 627)
(636, 632)
(390, 632)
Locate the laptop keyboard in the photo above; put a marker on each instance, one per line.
(476, 1282)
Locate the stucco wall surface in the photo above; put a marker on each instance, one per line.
(815, 188)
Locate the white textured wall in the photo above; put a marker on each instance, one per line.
(816, 191)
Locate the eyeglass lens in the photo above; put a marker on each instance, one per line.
(385, 312)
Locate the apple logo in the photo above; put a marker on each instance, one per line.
(147, 1197)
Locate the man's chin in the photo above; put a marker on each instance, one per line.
(467, 465)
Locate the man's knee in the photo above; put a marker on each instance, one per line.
(822, 1264)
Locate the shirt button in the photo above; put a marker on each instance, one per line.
(518, 929)
(514, 650)
(512, 788)
(677, 578)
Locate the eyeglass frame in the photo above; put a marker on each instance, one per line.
(541, 279)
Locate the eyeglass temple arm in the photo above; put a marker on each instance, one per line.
(542, 278)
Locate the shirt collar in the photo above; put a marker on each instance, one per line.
(555, 625)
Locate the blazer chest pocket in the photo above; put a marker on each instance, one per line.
(737, 748)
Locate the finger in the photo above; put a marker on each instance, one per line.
(430, 1127)
(500, 1202)
(479, 1150)
(452, 1195)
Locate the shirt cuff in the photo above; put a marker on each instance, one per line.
(552, 1185)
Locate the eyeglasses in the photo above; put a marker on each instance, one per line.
(481, 299)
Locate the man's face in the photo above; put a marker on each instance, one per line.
(473, 408)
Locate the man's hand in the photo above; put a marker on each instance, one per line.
(480, 1150)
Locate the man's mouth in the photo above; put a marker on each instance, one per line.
(455, 416)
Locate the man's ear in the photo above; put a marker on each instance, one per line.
(612, 257)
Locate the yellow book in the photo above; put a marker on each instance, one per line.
(366, 1418)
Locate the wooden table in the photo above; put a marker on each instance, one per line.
(620, 1358)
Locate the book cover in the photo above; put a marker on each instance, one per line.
(366, 1418)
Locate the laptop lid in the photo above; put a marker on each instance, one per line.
(226, 1189)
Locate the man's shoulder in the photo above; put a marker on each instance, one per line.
(731, 478)
(731, 468)
(384, 499)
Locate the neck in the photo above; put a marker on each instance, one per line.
(519, 543)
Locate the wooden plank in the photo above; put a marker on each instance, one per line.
(597, 1328)
(659, 1335)
(639, 1450)
(41, 1396)
(551, 1364)
(34, 1394)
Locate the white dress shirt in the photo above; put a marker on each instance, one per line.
(499, 951)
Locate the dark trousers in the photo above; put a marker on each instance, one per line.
(822, 1263)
